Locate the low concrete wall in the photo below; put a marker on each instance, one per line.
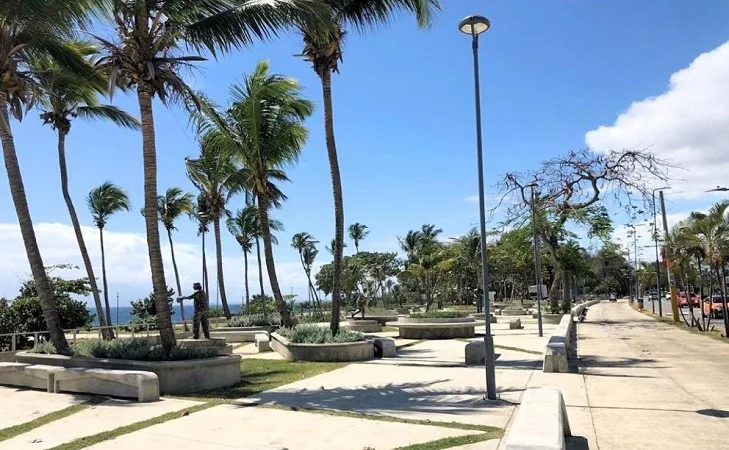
(363, 326)
(577, 309)
(7, 356)
(553, 319)
(464, 327)
(540, 423)
(381, 319)
(175, 377)
(236, 335)
(344, 352)
(557, 352)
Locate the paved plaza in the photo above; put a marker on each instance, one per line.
(640, 384)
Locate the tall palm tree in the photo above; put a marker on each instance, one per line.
(170, 207)
(147, 56)
(32, 30)
(357, 232)
(64, 96)
(263, 125)
(241, 229)
(217, 177)
(201, 215)
(253, 219)
(330, 247)
(323, 47)
(305, 244)
(105, 201)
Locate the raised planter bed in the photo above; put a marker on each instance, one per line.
(240, 334)
(175, 377)
(362, 325)
(435, 328)
(480, 317)
(344, 352)
(381, 319)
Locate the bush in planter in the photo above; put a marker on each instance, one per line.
(131, 349)
(314, 318)
(253, 320)
(314, 334)
(439, 315)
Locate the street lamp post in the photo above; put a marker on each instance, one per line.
(658, 269)
(473, 26)
(537, 262)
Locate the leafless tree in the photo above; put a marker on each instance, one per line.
(573, 187)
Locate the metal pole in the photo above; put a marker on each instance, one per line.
(488, 340)
(635, 249)
(537, 265)
(658, 264)
(674, 305)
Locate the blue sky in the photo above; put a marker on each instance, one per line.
(551, 72)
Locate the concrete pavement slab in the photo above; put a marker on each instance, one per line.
(105, 416)
(229, 426)
(23, 405)
(492, 444)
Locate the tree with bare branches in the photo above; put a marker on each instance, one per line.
(573, 188)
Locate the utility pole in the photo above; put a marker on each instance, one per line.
(667, 252)
(537, 264)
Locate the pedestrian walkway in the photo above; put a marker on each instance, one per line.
(648, 385)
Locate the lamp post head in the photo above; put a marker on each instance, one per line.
(474, 25)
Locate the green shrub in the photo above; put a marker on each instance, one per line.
(314, 318)
(439, 315)
(253, 320)
(130, 349)
(314, 334)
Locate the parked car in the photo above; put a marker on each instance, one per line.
(714, 307)
(682, 302)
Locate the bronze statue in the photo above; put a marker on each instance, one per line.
(202, 312)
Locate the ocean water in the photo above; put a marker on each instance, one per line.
(123, 314)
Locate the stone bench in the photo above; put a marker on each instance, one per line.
(144, 386)
(236, 335)
(263, 342)
(29, 375)
(559, 348)
(540, 423)
(385, 347)
(515, 324)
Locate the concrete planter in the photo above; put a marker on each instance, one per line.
(435, 328)
(553, 319)
(344, 352)
(175, 377)
(381, 319)
(480, 317)
(240, 334)
(363, 326)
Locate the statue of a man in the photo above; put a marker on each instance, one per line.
(202, 313)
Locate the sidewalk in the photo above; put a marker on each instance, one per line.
(648, 385)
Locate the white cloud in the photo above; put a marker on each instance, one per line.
(127, 262)
(688, 124)
(471, 199)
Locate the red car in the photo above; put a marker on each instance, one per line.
(695, 300)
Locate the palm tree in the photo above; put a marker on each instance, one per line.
(357, 232)
(323, 41)
(305, 244)
(253, 219)
(201, 215)
(170, 207)
(29, 31)
(104, 201)
(64, 96)
(330, 247)
(241, 228)
(147, 56)
(264, 127)
(217, 178)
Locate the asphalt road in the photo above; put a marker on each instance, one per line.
(667, 310)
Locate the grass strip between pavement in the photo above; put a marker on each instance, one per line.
(16, 430)
(385, 418)
(450, 442)
(116, 432)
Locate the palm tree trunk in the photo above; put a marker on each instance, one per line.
(270, 265)
(219, 258)
(326, 84)
(177, 277)
(260, 265)
(701, 295)
(149, 157)
(106, 333)
(17, 191)
(245, 273)
(103, 278)
(725, 313)
(204, 267)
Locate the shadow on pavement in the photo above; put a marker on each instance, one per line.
(719, 413)
(577, 443)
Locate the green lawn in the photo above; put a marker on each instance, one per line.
(258, 375)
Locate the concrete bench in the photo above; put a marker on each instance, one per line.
(263, 343)
(475, 352)
(515, 324)
(559, 348)
(144, 386)
(386, 347)
(541, 422)
(29, 375)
